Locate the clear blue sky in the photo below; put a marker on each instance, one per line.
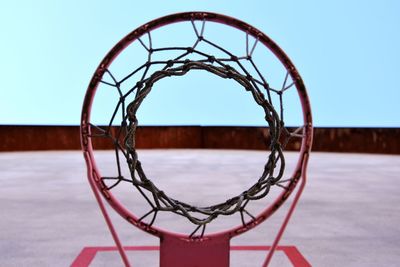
(348, 53)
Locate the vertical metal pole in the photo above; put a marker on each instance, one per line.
(105, 215)
(286, 220)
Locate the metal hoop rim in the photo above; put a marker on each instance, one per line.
(93, 171)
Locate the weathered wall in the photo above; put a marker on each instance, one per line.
(361, 140)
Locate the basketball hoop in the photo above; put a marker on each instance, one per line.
(206, 55)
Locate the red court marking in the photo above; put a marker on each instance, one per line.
(88, 253)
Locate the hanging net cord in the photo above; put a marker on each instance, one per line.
(124, 138)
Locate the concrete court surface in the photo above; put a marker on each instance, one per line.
(349, 213)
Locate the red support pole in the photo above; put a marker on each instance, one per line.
(105, 215)
(287, 218)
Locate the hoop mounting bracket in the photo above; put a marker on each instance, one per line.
(178, 252)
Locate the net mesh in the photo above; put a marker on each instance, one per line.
(227, 66)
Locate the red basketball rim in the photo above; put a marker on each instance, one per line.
(93, 171)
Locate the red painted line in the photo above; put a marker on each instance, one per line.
(85, 257)
(296, 257)
(256, 248)
(87, 254)
(293, 254)
(129, 248)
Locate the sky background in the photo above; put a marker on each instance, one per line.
(347, 53)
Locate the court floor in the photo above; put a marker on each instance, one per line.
(349, 213)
